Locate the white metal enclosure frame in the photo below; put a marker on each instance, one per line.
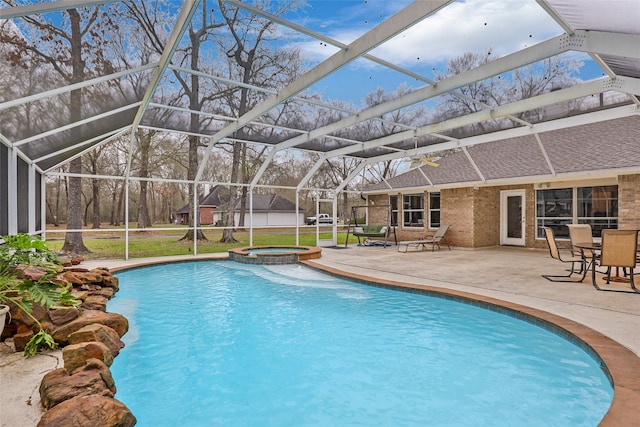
(611, 39)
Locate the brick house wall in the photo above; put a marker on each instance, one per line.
(486, 216)
(474, 216)
(376, 215)
(206, 215)
(474, 213)
(629, 201)
(457, 206)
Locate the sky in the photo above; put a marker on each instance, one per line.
(499, 26)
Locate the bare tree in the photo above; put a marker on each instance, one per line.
(92, 160)
(71, 48)
(151, 21)
(532, 80)
(253, 62)
(144, 146)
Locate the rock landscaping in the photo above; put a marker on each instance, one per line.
(82, 392)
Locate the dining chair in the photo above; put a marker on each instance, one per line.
(565, 256)
(581, 234)
(619, 248)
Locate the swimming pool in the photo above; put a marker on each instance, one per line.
(220, 343)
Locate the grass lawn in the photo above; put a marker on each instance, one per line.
(154, 242)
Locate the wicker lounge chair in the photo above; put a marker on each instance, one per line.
(422, 244)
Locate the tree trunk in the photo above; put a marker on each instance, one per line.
(243, 196)
(54, 212)
(73, 240)
(114, 195)
(73, 243)
(243, 207)
(95, 187)
(154, 207)
(52, 217)
(119, 211)
(192, 170)
(227, 233)
(144, 220)
(345, 205)
(194, 141)
(56, 217)
(144, 141)
(85, 217)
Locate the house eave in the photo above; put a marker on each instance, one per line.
(535, 180)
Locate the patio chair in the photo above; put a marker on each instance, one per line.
(566, 256)
(582, 234)
(619, 249)
(434, 240)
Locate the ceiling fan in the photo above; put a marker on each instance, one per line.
(421, 160)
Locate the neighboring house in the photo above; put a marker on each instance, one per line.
(501, 192)
(211, 207)
(268, 210)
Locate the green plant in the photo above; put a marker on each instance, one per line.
(23, 293)
(39, 341)
(26, 249)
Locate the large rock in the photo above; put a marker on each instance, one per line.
(21, 318)
(95, 302)
(115, 321)
(92, 378)
(82, 277)
(77, 269)
(60, 315)
(21, 339)
(104, 291)
(76, 355)
(89, 411)
(79, 294)
(111, 281)
(33, 272)
(99, 333)
(108, 279)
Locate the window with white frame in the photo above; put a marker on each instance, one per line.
(413, 210)
(434, 210)
(597, 206)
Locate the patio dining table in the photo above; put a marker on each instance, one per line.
(585, 247)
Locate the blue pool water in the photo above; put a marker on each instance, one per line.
(228, 344)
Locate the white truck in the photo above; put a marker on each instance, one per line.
(320, 218)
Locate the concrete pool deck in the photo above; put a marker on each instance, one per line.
(512, 275)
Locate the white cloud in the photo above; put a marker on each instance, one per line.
(503, 26)
(472, 26)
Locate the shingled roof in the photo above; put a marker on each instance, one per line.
(273, 202)
(219, 198)
(592, 149)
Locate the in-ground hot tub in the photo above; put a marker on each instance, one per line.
(274, 254)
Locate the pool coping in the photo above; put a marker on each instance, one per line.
(620, 364)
